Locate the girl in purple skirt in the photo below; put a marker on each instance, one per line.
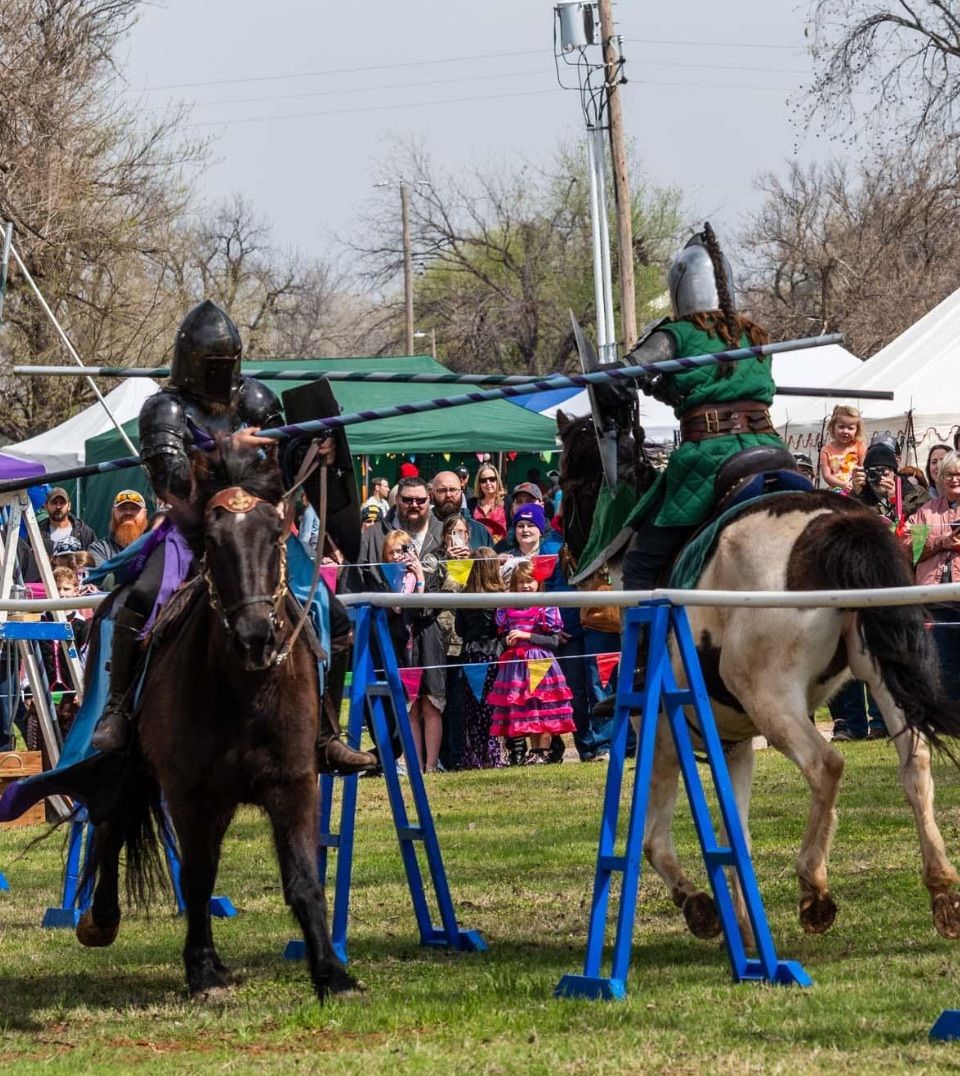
(518, 710)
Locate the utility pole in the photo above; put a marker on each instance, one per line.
(407, 266)
(621, 181)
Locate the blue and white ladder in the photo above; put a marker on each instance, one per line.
(369, 694)
(661, 690)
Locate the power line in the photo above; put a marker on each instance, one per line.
(448, 60)
(372, 108)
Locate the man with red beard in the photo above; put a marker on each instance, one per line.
(128, 521)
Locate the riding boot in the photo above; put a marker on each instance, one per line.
(333, 755)
(113, 728)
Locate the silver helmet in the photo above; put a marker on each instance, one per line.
(693, 286)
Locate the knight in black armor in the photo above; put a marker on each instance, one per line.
(206, 395)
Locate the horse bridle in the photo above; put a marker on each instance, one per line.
(238, 501)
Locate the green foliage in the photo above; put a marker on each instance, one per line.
(519, 848)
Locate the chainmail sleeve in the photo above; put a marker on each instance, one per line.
(163, 431)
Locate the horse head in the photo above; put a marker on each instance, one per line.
(239, 534)
(581, 473)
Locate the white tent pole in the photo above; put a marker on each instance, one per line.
(63, 336)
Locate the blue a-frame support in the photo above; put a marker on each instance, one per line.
(661, 691)
(370, 694)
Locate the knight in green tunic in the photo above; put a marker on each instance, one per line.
(722, 409)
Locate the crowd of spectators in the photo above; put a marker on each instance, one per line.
(413, 538)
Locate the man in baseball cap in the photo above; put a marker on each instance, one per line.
(61, 526)
(128, 521)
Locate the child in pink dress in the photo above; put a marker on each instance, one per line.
(519, 710)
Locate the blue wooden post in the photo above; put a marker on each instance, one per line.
(368, 694)
(661, 690)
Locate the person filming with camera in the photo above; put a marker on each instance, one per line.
(878, 485)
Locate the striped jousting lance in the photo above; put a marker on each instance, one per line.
(380, 376)
(327, 425)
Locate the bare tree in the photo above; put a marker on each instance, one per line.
(503, 254)
(865, 251)
(896, 59)
(90, 185)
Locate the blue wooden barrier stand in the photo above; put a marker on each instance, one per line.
(370, 694)
(947, 1026)
(76, 898)
(660, 689)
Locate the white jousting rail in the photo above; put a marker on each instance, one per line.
(564, 599)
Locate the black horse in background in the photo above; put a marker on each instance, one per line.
(228, 714)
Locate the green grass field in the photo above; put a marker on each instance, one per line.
(519, 848)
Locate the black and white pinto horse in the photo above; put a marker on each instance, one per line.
(767, 670)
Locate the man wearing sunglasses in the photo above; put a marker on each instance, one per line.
(412, 513)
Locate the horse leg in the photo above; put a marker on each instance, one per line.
(99, 924)
(698, 907)
(200, 828)
(292, 808)
(795, 736)
(939, 875)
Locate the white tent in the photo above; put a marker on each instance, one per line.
(64, 446)
(813, 367)
(919, 367)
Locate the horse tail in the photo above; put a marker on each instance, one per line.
(137, 824)
(857, 550)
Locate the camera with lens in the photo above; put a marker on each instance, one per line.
(874, 474)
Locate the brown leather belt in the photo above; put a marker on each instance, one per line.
(718, 420)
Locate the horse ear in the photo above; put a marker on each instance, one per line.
(563, 421)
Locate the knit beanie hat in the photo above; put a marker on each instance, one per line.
(881, 454)
(532, 513)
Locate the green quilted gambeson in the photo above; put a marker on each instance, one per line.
(692, 468)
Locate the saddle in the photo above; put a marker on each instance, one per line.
(754, 471)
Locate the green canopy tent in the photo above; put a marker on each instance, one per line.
(494, 426)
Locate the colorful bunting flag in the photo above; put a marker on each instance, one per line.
(476, 675)
(918, 538)
(539, 667)
(544, 566)
(411, 681)
(606, 663)
(459, 570)
(328, 573)
(393, 575)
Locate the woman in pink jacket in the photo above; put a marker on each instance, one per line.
(940, 563)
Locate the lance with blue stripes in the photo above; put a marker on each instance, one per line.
(319, 427)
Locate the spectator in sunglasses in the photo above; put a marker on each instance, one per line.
(412, 513)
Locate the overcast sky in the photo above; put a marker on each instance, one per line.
(303, 95)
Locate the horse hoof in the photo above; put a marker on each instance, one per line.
(210, 995)
(96, 935)
(701, 915)
(341, 984)
(817, 913)
(946, 914)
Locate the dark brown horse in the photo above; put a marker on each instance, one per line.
(228, 715)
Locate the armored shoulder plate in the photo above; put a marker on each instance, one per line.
(258, 405)
(163, 424)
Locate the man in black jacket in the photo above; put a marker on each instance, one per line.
(61, 526)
